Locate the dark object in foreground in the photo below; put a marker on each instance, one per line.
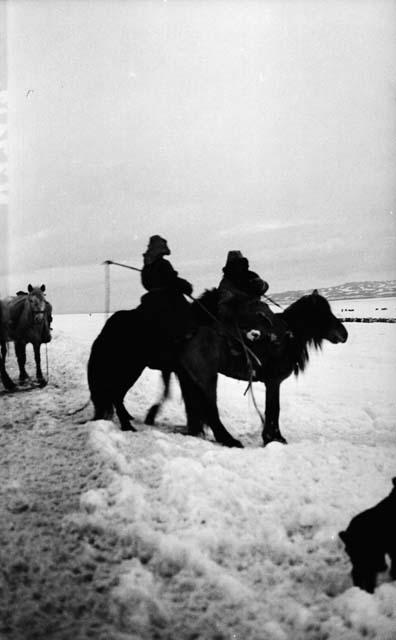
(131, 341)
(370, 536)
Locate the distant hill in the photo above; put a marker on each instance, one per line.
(347, 291)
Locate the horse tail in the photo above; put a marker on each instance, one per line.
(97, 382)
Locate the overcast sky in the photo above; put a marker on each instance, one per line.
(268, 127)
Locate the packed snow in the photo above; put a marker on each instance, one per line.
(210, 543)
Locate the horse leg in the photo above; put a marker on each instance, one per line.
(118, 398)
(155, 408)
(37, 358)
(3, 350)
(195, 422)
(123, 415)
(5, 378)
(20, 352)
(103, 408)
(201, 407)
(271, 431)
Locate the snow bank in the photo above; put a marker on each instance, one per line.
(212, 543)
(243, 544)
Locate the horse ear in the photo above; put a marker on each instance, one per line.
(30, 288)
(315, 292)
(42, 287)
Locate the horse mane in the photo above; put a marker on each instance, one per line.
(298, 316)
(205, 307)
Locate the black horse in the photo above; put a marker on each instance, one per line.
(124, 348)
(305, 323)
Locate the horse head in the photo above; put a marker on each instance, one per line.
(313, 317)
(37, 303)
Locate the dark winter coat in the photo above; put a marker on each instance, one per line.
(168, 312)
(238, 287)
(160, 275)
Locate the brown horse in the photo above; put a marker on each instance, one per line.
(26, 318)
(125, 347)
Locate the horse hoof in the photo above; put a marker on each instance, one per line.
(151, 415)
(42, 383)
(233, 443)
(128, 427)
(195, 430)
(10, 385)
(279, 439)
(237, 444)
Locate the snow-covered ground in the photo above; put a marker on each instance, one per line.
(209, 543)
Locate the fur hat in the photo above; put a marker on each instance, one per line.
(235, 256)
(157, 247)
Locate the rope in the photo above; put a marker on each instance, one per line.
(250, 384)
(46, 361)
(272, 301)
(120, 264)
(249, 355)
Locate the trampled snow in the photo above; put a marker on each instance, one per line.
(236, 544)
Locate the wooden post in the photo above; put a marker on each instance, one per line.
(107, 288)
(107, 264)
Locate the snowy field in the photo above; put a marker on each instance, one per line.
(210, 543)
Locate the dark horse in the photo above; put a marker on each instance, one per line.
(305, 323)
(25, 318)
(122, 351)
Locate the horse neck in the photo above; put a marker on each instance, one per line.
(303, 335)
(299, 321)
(26, 318)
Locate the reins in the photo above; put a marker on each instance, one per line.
(272, 301)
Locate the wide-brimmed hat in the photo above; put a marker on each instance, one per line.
(156, 247)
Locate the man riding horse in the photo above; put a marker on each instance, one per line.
(165, 306)
(240, 291)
